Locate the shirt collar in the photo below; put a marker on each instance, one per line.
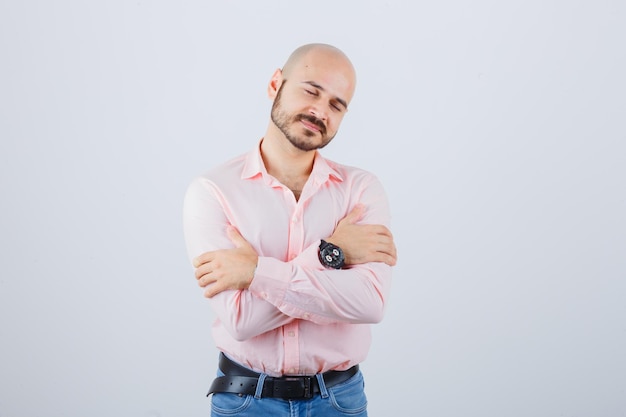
(323, 169)
(253, 165)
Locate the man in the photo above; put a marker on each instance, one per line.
(294, 253)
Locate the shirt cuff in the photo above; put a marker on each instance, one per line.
(271, 280)
(272, 277)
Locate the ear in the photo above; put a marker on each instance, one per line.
(275, 82)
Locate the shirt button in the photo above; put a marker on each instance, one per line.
(291, 334)
(292, 371)
(306, 316)
(264, 295)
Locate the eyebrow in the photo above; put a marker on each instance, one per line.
(319, 87)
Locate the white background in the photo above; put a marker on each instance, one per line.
(497, 127)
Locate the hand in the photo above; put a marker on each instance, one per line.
(227, 269)
(362, 243)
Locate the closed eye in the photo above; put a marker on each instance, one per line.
(336, 106)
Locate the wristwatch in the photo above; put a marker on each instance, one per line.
(331, 256)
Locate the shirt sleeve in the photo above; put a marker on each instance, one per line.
(304, 289)
(243, 314)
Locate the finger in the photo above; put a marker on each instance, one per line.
(203, 258)
(388, 249)
(235, 237)
(355, 214)
(207, 270)
(382, 230)
(385, 258)
(203, 269)
(206, 280)
(375, 231)
(200, 272)
(390, 260)
(213, 290)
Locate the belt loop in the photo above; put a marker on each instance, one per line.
(322, 384)
(259, 386)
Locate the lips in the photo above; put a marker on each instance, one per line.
(312, 123)
(310, 126)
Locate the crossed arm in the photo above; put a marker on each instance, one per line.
(253, 294)
(233, 269)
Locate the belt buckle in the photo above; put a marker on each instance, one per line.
(304, 383)
(308, 392)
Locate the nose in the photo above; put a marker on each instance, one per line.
(317, 111)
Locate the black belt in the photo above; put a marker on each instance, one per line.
(241, 380)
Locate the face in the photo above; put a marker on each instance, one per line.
(309, 106)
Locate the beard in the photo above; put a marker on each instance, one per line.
(285, 121)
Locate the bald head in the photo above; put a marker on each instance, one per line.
(311, 94)
(321, 55)
(315, 51)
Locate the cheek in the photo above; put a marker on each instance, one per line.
(334, 122)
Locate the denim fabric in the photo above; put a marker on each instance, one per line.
(345, 399)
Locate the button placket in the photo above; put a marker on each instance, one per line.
(296, 234)
(292, 348)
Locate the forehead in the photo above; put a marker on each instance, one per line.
(330, 71)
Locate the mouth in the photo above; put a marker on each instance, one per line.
(310, 126)
(311, 123)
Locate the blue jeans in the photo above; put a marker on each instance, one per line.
(345, 399)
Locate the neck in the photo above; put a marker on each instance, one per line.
(285, 162)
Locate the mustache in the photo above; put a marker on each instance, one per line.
(312, 119)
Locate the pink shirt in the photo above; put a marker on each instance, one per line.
(297, 317)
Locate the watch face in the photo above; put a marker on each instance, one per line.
(331, 256)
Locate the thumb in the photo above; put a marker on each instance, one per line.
(235, 237)
(355, 214)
